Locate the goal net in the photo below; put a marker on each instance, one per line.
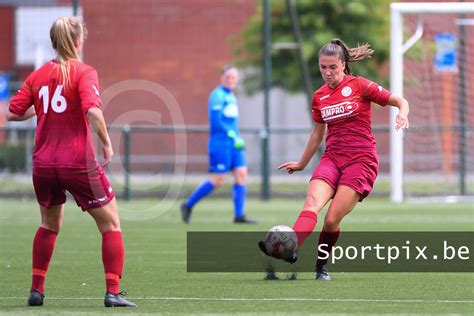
(436, 77)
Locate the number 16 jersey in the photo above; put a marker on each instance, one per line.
(63, 137)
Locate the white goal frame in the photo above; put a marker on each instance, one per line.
(397, 49)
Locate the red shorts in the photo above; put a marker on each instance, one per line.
(89, 187)
(355, 170)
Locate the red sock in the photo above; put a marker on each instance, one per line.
(113, 254)
(329, 239)
(43, 246)
(304, 225)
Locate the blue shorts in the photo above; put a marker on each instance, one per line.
(224, 158)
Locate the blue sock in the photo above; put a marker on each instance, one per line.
(239, 195)
(201, 191)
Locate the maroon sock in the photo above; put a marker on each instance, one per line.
(328, 239)
(304, 225)
(43, 246)
(113, 254)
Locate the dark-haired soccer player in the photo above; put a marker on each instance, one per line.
(349, 166)
(64, 96)
(226, 148)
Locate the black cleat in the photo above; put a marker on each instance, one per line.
(270, 272)
(244, 220)
(263, 248)
(270, 276)
(117, 300)
(186, 213)
(36, 298)
(293, 258)
(322, 273)
(292, 276)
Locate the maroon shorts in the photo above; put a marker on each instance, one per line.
(356, 170)
(89, 187)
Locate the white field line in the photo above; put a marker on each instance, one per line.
(276, 299)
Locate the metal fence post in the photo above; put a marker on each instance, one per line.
(267, 83)
(265, 189)
(126, 161)
(462, 107)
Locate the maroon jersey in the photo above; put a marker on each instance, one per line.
(63, 137)
(346, 111)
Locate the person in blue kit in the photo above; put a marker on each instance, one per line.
(226, 148)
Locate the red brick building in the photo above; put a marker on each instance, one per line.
(180, 45)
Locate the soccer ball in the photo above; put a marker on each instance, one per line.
(281, 242)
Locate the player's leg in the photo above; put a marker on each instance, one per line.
(113, 252)
(93, 193)
(318, 194)
(356, 182)
(219, 164)
(43, 247)
(239, 196)
(52, 217)
(320, 190)
(106, 217)
(203, 190)
(343, 203)
(239, 189)
(217, 179)
(51, 198)
(239, 192)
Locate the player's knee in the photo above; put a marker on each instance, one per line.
(312, 203)
(110, 225)
(241, 179)
(109, 228)
(106, 217)
(52, 224)
(218, 180)
(331, 224)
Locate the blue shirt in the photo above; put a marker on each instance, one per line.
(223, 115)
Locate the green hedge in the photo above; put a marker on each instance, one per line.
(13, 157)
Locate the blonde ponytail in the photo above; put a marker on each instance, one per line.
(65, 33)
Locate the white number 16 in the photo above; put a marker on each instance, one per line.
(58, 102)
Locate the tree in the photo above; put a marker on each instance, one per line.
(355, 22)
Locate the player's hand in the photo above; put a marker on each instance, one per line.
(231, 134)
(239, 143)
(401, 121)
(291, 167)
(108, 153)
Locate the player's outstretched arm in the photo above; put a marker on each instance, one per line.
(27, 115)
(314, 142)
(97, 121)
(402, 104)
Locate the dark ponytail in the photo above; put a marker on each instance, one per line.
(338, 48)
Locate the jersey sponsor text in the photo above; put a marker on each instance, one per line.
(342, 109)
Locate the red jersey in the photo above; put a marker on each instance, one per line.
(63, 137)
(346, 111)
